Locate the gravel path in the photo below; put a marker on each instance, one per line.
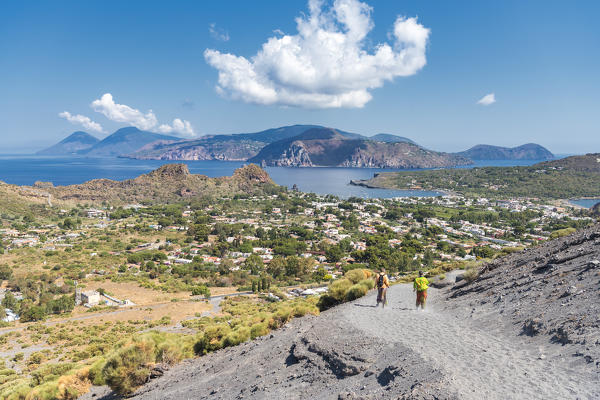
(478, 364)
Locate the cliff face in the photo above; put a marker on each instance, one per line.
(327, 147)
(202, 149)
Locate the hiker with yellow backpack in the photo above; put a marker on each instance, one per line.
(383, 283)
(420, 286)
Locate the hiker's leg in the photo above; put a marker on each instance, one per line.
(418, 299)
(423, 299)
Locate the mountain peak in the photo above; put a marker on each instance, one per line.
(77, 142)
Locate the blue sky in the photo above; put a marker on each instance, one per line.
(540, 59)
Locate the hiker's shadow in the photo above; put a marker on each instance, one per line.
(365, 305)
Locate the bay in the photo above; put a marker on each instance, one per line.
(587, 203)
(26, 170)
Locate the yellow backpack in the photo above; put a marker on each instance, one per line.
(421, 283)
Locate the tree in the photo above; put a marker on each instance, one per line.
(61, 305)
(483, 252)
(255, 264)
(266, 283)
(428, 258)
(201, 290)
(9, 301)
(33, 313)
(276, 268)
(5, 272)
(334, 254)
(292, 266)
(68, 223)
(319, 274)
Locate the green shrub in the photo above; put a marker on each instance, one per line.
(169, 352)
(562, 232)
(211, 339)
(257, 330)
(357, 275)
(281, 317)
(471, 274)
(236, 337)
(129, 367)
(355, 292)
(367, 283)
(338, 288)
(95, 373)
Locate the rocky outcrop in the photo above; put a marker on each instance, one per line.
(169, 183)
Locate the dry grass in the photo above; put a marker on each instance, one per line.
(135, 293)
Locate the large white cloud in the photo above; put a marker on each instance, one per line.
(326, 63)
(82, 120)
(131, 116)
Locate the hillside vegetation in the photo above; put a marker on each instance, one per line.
(572, 177)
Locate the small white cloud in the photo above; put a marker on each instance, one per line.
(487, 100)
(218, 33)
(131, 116)
(326, 64)
(182, 127)
(122, 113)
(82, 120)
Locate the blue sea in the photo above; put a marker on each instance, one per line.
(587, 203)
(26, 170)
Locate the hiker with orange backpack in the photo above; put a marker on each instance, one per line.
(383, 283)
(420, 286)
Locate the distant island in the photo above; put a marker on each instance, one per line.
(328, 147)
(76, 143)
(571, 177)
(291, 146)
(529, 151)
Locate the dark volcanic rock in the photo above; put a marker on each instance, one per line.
(552, 289)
